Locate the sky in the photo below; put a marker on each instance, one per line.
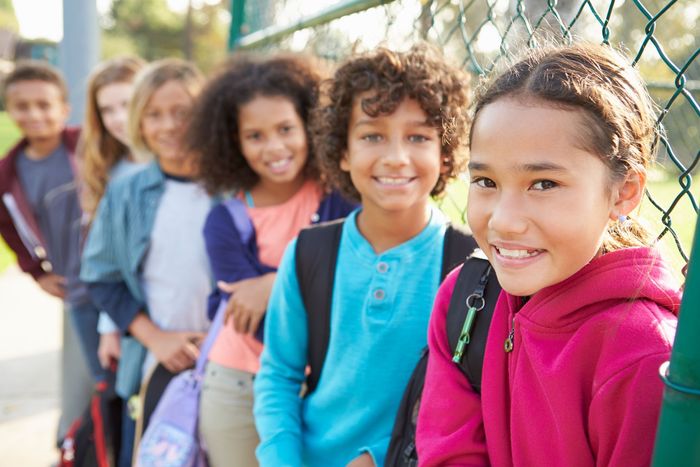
(49, 24)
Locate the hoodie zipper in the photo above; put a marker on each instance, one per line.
(508, 345)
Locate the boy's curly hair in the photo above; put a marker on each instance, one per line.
(390, 77)
(213, 130)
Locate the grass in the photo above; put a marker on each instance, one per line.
(8, 135)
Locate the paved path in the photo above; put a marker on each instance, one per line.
(30, 340)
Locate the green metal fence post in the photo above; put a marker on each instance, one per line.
(678, 436)
(237, 22)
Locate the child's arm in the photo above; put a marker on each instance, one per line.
(177, 351)
(624, 414)
(249, 300)
(277, 406)
(53, 284)
(100, 270)
(109, 291)
(450, 425)
(234, 267)
(9, 233)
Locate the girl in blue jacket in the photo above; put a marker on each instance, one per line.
(250, 128)
(144, 258)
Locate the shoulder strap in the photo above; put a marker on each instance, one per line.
(240, 217)
(244, 225)
(469, 315)
(316, 255)
(457, 247)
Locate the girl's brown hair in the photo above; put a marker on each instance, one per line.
(619, 115)
(213, 131)
(147, 82)
(99, 150)
(391, 77)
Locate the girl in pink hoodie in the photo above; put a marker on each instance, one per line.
(560, 145)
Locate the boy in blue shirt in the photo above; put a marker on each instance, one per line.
(391, 134)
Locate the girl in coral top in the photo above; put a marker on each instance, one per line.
(560, 145)
(250, 128)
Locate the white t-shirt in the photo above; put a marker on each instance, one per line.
(176, 277)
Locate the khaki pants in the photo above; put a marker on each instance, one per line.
(226, 422)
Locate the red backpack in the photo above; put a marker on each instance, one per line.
(94, 439)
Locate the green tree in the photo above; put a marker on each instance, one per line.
(8, 20)
(150, 24)
(150, 29)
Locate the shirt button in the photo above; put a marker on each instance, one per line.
(46, 266)
(382, 267)
(379, 294)
(40, 252)
(315, 217)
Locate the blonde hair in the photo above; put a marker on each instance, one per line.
(147, 82)
(100, 150)
(619, 114)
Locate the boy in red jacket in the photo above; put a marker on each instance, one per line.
(40, 214)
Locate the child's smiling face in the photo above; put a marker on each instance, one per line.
(273, 140)
(164, 121)
(539, 204)
(394, 160)
(37, 107)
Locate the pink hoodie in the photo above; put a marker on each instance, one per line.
(581, 386)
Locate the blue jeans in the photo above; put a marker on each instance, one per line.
(128, 434)
(84, 318)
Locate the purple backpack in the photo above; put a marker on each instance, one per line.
(172, 436)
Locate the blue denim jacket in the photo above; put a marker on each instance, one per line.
(114, 250)
(120, 233)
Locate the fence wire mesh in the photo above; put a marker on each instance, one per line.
(660, 38)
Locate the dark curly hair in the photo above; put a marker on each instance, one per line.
(390, 77)
(213, 131)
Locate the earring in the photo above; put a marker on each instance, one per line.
(622, 219)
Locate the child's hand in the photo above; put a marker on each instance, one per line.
(248, 301)
(177, 351)
(363, 460)
(53, 284)
(109, 349)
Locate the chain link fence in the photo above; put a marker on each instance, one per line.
(660, 38)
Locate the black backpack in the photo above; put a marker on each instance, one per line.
(316, 274)
(94, 439)
(468, 319)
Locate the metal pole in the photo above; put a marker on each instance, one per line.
(79, 51)
(237, 22)
(678, 435)
(276, 32)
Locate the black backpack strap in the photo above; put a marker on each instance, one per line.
(469, 316)
(457, 247)
(316, 274)
(316, 255)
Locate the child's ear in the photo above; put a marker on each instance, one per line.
(344, 163)
(627, 194)
(66, 110)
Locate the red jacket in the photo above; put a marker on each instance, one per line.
(581, 386)
(14, 209)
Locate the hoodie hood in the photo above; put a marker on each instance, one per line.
(623, 275)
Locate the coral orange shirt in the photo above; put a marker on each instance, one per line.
(275, 226)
